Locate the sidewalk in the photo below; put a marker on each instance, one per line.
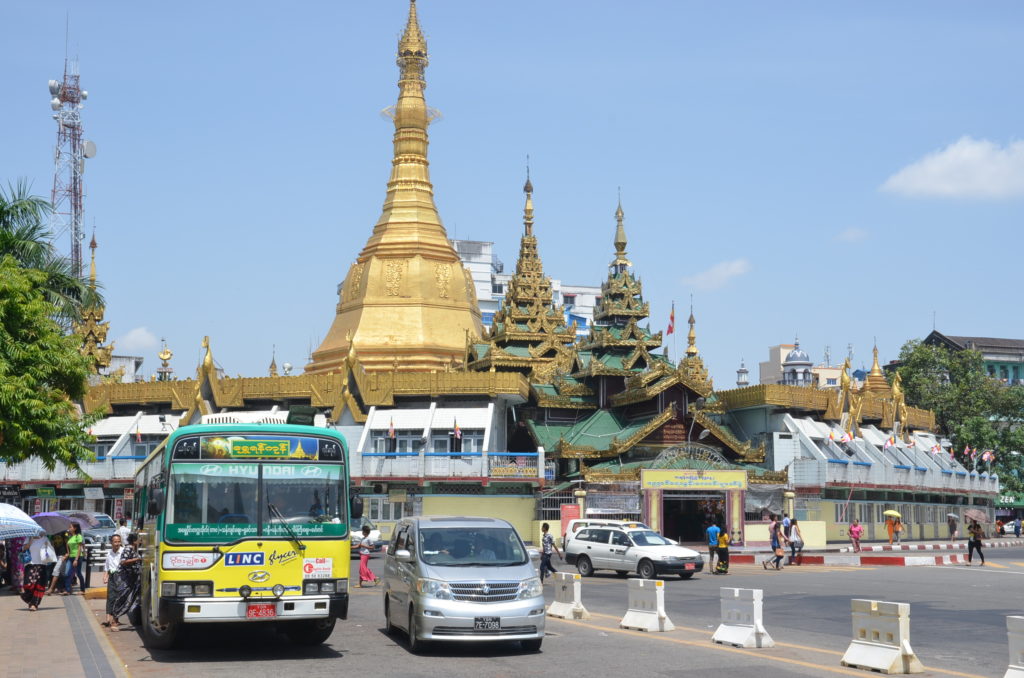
(36, 644)
(873, 554)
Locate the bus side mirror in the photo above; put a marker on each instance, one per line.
(156, 501)
(357, 507)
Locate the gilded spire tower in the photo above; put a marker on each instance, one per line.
(93, 330)
(407, 300)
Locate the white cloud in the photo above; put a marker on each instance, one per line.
(853, 234)
(138, 340)
(967, 168)
(718, 275)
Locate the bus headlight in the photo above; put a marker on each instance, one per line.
(167, 589)
(278, 590)
(327, 587)
(311, 588)
(203, 590)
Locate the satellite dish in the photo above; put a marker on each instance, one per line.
(54, 87)
(55, 103)
(85, 95)
(287, 368)
(89, 149)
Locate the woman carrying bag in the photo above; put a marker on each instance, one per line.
(36, 555)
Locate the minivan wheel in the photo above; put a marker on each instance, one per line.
(584, 567)
(415, 644)
(389, 628)
(645, 569)
(532, 645)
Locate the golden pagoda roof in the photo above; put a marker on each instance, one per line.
(92, 329)
(407, 297)
(876, 382)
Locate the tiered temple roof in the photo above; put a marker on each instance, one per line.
(529, 333)
(92, 329)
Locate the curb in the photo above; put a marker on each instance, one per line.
(955, 546)
(855, 561)
(117, 665)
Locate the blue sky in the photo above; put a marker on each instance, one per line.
(834, 170)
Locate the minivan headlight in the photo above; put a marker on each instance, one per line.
(432, 588)
(530, 588)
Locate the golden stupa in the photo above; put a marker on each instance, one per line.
(407, 302)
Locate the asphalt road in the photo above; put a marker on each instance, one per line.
(958, 628)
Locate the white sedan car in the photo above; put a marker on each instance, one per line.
(626, 549)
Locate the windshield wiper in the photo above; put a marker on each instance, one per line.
(276, 513)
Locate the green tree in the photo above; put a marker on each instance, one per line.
(42, 374)
(24, 236)
(971, 409)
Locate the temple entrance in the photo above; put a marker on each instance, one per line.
(687, 514)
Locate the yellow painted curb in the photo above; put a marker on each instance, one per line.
(96, 593)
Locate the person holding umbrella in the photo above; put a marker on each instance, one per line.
(15, 528)
(951, 521)
(974, 542)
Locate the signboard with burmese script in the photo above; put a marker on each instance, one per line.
(687, 479)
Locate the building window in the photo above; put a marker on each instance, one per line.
(404, 441)
(497, 288)
(379, 508)
(831, 382)
(569, 300)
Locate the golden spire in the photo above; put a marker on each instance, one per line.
(92, 261)
(407, 295)
(876, 382)
(272, 370)
(92, 329)
(528, 209)
(620, 238)
(691, 336)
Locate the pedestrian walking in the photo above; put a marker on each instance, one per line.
(953, 532)
(122, 529)
(897, 529)
(856, 530)
(1016, 528)
(890, 528)
(4, 576)
(796, 543)
(76, 558)
(365, 546)
(57, 572)
(16, 566)
(712, 532)
(776, 540)
(723, 553)
(128, 567)
(113, 581)
(547, 547)
(976, 534)
(36, 555)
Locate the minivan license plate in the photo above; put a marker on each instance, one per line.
(260, 610)
(487, 623)
(689, 566)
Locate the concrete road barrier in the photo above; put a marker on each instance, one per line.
(568, 603)
(881, 638)
(646, 606)
(1015, 633)
(742, 619)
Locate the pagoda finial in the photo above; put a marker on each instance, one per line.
(272, 370)
(691, 336)
(621, 262)
(92, 262)
(528, 209)
(412, 43)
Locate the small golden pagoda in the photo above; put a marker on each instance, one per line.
(92, 329)
(529, 333)
(876, 382)
(692, 364)
(407, 301)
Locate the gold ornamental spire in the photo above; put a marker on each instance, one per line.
(92, 329)
(876, 382)
(620, 237)
(692, 364)
(691, 336)
(92, 261)
(528, 208)
(407, 297)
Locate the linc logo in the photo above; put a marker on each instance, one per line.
(259, 576)
(244, 559)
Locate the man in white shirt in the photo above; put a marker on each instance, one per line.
(123, 530)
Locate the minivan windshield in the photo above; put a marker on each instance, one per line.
(471, 546)
(649, 538)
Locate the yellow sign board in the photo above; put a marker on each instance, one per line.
(686, 479)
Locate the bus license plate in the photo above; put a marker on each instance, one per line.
(487, 623)
(689, 566)
(260, 610)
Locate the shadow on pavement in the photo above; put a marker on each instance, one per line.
(230, 643)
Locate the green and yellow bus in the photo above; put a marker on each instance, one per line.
(245, 523)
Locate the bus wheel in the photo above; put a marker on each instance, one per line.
(156, 635)
(310, 632)
(135, 616)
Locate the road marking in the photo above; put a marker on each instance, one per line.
(1017, 562)
(795, 646)
(1001, 567)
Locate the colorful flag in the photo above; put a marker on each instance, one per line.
(458, 431)
(846, 437)
(391, 429)
(832, 435)
(138, 434)
(889, 442)
(936, 449)
(671, 320)
(967, 450)
(974, 453)
(988, 455)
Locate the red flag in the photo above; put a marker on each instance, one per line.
(671, 320)
(138, 435)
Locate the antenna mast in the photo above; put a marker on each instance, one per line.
(69, 161)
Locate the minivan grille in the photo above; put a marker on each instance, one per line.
(485, 592)
(505, 631)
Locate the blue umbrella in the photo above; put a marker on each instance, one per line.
(15, 523)
(52, 522)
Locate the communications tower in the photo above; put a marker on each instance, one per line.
(69, 160)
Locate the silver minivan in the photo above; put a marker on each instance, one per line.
(461, 578)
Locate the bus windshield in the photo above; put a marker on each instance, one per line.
(227, 501)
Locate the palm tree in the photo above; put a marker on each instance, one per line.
(25, 237)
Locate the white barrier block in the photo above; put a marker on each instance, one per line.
(1015, 633)
(881, 638)
(568, 603)
(742, 619)
(646, 606)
